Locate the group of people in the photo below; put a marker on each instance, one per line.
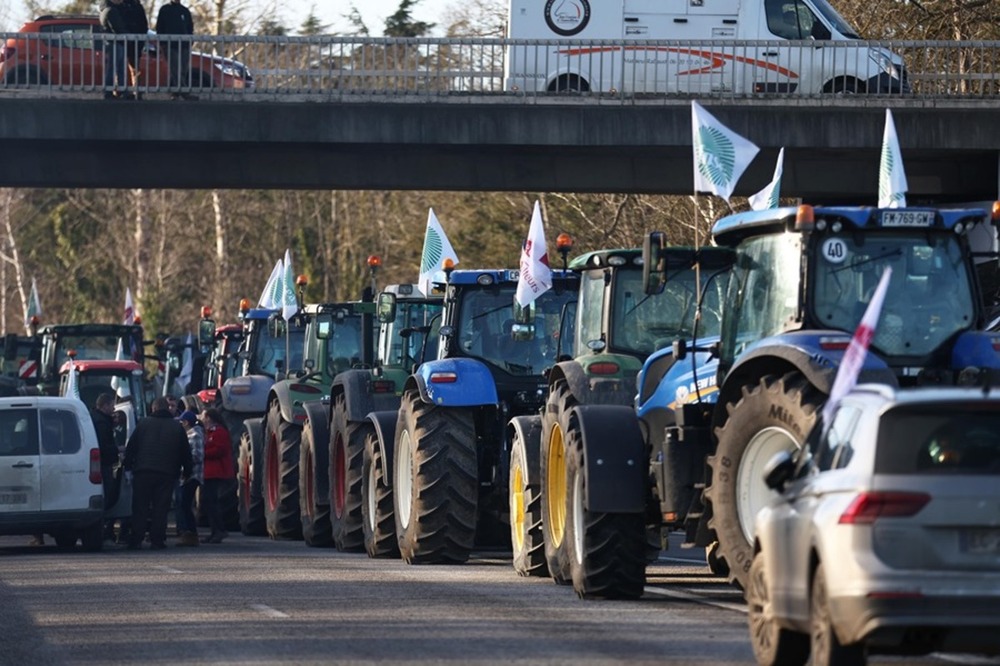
(127, 17)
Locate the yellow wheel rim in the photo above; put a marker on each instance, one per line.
(555, 483)
(517, 507)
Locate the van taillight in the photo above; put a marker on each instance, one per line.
(867, 507)
(95, 466)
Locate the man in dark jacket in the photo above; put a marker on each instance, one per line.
(175, 19)
(104, 426)
(113, 22)
(156, 454)
(138, 26)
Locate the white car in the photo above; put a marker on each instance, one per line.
(50, 471)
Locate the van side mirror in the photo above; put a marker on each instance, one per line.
(654, 263)
(385, 309)
(206, 332)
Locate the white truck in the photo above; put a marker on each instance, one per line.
(692, 47)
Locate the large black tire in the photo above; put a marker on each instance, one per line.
(607, 550)
(347, 453)
(775, 414)
(249, 473)
(824, 647)
(435, 484)
(554, 492)
(314, 501)
(772, 644)
(281, 476)
(378, 517)
(527, 541)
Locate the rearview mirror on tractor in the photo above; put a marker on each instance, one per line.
(385, 309)
(654, 263)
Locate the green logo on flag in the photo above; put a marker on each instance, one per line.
(433, 249)
(716, 156)
(887, 166)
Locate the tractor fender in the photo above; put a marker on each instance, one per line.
(576, 379)
(385, 430)
(975, 349)
(467, 383)
(318, 414)
(246, 394)
(614, 459)
(525, 432)
(354, 385)
(255, 433)
(280, 392)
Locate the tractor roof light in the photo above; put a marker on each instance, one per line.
(617, 260)
(805, 218)
(137, 321)
(485, 280)
(449, 266)
(206, 312)
(71, 353)
(374, 261)
(995, 213)
(301, 280)
(244, 305)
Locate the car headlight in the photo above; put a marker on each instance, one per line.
(230, 68)
(884, 62)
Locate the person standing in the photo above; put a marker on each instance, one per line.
(137, 26)
(218, 472)
(104, 426)
(186, 523)
(156, 453)
(175, 19)
(113, 22)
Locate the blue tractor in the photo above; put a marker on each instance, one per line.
(442, 460)
(800, 281)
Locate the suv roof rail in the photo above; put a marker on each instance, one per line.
(50, 17)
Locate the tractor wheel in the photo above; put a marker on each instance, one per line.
(250, 495)
(526, 537)
(554, 491)
(347, 452)
(436, 482)
(314, 508)
(772, 644)
(825, 648)
(607, 550)
(377, 514)
(712, 560)
(281, 476)
(774, 415)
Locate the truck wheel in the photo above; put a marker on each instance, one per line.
(607, 550)
(250, 497)
(377, 514)
(347, 452)
(436, 482)
(772, 645)
(554, 490)
(314, 509)
(281, 476)
(774, 415)
(526, 537)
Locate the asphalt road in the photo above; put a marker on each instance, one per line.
(256, 601)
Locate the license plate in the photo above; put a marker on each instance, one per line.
(13, 498)
(907, 218)
(980, 542)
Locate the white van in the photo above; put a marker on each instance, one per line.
(692, 47)
(50, 471)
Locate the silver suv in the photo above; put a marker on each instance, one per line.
(50, 471)
(885, 536)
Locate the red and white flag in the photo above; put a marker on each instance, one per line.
(129, 308)
(854, 357)
(536, 276)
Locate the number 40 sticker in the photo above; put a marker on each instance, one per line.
(834, 250)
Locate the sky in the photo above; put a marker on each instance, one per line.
(293, 12)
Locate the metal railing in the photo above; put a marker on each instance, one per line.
(326, 68)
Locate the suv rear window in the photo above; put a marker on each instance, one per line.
(964, 440)
(18, 432)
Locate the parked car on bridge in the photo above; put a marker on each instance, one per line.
(885, 536)
(66, 50)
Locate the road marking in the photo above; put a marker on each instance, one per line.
(166, 569)
(676, 594)
(267, 610)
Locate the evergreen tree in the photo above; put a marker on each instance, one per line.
(311, 26)
(401, 24)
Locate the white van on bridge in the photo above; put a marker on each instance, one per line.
(693, 47)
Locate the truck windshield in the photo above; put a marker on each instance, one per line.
(929, 297)
(832, 17)
(641, 323)
(486, 321)
(343, 348)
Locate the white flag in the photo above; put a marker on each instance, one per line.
(536, 276)
(720, 155)
(129, 308)
(854, 357)
(269, 297)
(288, 303)
(72, 390)
(436, 250)
(892, 185)
(768, 197)
(34, 306)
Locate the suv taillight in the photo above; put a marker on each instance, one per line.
(95, 466)
(867, 507)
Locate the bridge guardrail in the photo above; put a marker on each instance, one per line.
(332, 68)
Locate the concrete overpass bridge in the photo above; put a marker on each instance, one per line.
(950, 148)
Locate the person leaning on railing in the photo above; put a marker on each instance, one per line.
(175, 19)
(113, 21)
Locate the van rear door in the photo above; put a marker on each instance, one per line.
(66, 483)
(19, 460)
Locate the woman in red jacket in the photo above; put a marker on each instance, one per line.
(218, 472)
